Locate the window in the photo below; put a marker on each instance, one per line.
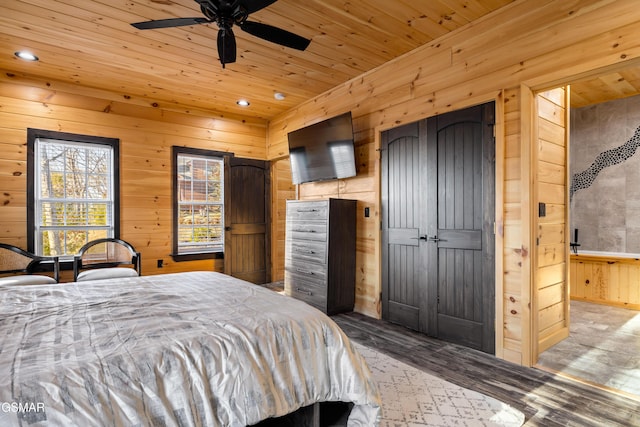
(71, 191)
(198, 191)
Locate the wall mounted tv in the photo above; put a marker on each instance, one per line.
(323, 151)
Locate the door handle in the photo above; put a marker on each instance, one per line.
(430, 239)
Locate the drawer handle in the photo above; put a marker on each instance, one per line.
(307, 210)
(305, 271)
(304, 291)
(302, 251)
(302, 230)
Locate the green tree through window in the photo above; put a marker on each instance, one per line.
(73, 193)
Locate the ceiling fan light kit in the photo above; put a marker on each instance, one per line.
(225, 14)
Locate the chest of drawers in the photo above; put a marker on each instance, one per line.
(320, 251)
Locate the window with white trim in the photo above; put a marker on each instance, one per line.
(198, 202)
(74, 196)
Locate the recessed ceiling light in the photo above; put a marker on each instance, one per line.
(26, 55)
(243, 102)
(279, 96)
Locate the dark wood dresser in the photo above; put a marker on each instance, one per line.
(320, 253)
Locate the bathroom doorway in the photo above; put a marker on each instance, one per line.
(604, 202)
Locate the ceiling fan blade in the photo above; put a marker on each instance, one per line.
(275, 35)
(255, 5)
(168, 23)
(226, 46)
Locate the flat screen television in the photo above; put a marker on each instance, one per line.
(323, 151)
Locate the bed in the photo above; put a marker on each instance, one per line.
(184, 349)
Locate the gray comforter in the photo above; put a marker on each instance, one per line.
(187, 349)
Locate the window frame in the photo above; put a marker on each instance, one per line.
(198, 152)
(32, 136)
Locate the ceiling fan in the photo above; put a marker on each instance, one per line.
(226, 14)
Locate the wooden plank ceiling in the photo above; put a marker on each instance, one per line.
(90, 43)
(619, 84)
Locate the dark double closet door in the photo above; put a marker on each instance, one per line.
(438, 226)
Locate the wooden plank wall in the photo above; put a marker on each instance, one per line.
(530, 43)
(146, 135)
(551, 293)
(282, 189)
(514, 303)
(606, 280)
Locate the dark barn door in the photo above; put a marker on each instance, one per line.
(460, 260)
(437, 226)
(247, 207)
(404, 284)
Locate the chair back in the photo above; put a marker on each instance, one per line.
(105, 253)
(15, 260)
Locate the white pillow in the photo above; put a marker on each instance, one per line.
(106, 273)
(27, 279)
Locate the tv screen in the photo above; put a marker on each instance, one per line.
(323, 151)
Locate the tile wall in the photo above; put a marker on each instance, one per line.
(605, 167)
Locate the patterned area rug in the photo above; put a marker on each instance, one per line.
(411, 398)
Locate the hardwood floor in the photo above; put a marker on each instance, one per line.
(544, 398)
